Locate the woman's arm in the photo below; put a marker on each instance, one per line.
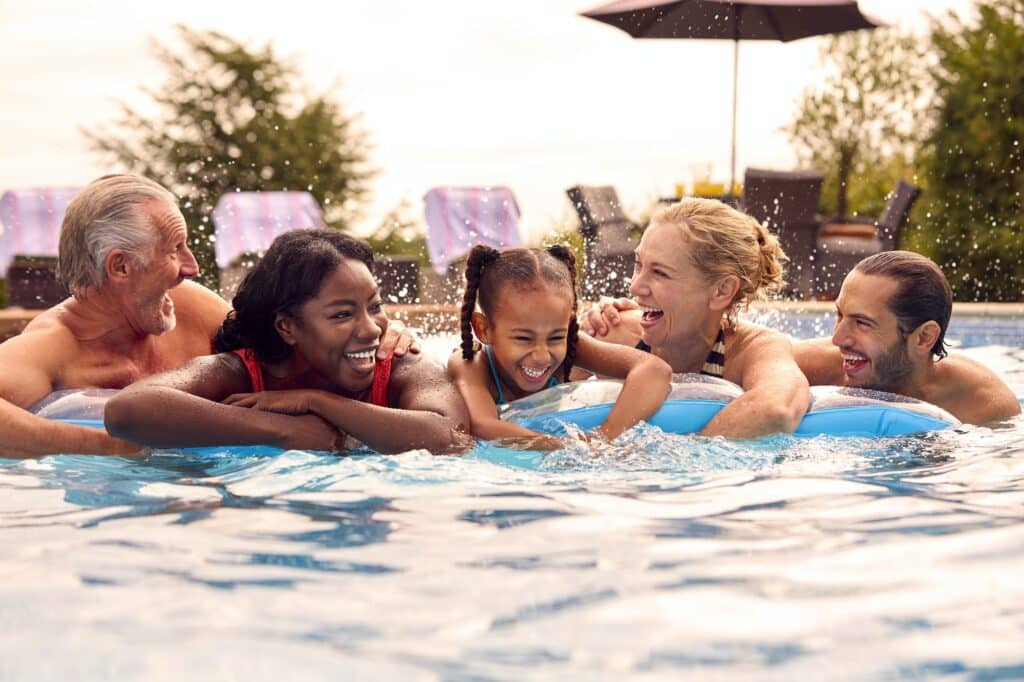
(820, 361)
(775, 391)
(180, 408)
(647, 380)
(430, 413)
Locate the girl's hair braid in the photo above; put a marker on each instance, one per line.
(480, 257)
(565, 254)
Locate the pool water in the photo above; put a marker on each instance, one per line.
(667, 556)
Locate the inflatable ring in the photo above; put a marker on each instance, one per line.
(84, 407)
(691, 403)
(694, 399)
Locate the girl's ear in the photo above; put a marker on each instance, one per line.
(480, 327)
(285, 326)
(724, 292)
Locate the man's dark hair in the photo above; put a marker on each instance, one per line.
(922, 292)
(288, 275)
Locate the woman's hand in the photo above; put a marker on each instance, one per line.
(286, 402)
(310, 432)
(602, 316)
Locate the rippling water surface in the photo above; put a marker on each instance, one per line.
(664, 557)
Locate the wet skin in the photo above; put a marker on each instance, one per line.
(674, 295)
(528, 335)
(335, 335)
(874, 350)
(171, 262)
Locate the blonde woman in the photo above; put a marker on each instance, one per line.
(699, 263)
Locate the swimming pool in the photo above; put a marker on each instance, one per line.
(670, 556)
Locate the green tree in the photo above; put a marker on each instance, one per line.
(973, 158)
(401, 233)
(861, 117)
(233, 118)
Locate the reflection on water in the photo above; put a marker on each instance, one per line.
(665, 556)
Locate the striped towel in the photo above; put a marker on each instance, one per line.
(459, 217)
(31, 221)
(250, 221)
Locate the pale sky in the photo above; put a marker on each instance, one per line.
(452, 92)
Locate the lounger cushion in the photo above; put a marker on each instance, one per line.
(848, 230)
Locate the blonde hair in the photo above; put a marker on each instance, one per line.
(107, 214)
(728, 242)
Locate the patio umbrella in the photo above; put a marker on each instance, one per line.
(734, 20)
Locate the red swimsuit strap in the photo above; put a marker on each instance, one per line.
(381, 379)
(252, 365)
(378, 391)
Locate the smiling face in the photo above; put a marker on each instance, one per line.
(875, 352)
(337, 331)
(674, 294)
(170, 262)
(527, 332)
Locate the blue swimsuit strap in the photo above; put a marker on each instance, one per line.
(494, 373)
(552, 381)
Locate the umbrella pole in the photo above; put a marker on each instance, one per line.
(735, 77)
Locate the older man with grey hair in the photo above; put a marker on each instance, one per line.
(125, 260)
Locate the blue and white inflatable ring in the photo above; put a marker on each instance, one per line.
(694, 399)
(691, 403)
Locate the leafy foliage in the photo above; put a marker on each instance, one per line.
(232, 118)
(861, 118)
(400, 233)
(973, 159)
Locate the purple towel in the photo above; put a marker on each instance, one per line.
(31, 221)
(459, 217)
(249, 221)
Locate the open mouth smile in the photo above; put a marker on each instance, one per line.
(651, 315)
(854, 362)
(534, 374)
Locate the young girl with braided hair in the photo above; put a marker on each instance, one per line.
(526, 322)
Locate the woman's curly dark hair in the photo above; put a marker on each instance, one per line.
(290, 274)
(489, 270)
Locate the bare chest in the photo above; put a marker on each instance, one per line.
(96, 366)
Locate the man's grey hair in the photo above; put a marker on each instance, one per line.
(109, 213)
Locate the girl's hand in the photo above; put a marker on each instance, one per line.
(285, 402)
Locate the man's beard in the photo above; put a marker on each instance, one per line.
(892, 369)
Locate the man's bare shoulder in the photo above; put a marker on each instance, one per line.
(194, 301)
(820, 361)
(971, 391)
(200, 313)
(34, 361)
(47, 333)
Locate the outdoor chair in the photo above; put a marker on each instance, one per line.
(786, 202)
(841, 245)
(32, 282)
(608, 241)
(30, 221)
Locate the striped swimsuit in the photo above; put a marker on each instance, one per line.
(714, 365)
